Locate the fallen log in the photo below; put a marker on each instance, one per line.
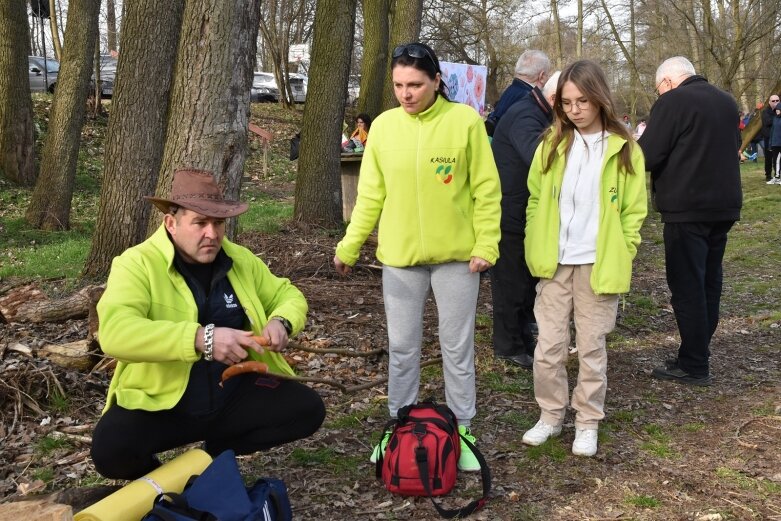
(79, 355)
(40, 510)
(29, 304)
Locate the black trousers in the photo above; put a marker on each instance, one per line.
(512, 294)
(262, 413)
(770, 159)
(693, 255)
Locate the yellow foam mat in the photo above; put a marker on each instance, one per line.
(134, 500)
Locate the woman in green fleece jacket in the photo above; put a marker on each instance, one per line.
(587, 203)
(428, 177)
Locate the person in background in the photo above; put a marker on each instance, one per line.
(767, 127)
(358, 138)
(428, 177)
(698, 192)
(512, 286)
(627, 122)
(640, 129)
(587, 203)
(775, 145)
(532, 68)
(180, 308)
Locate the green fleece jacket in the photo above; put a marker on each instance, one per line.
(148, 319)
(431, 181)
(623, 207)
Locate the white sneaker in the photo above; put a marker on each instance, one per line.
(585, 443)
(538, 434)
(772, 181)
(777, 180)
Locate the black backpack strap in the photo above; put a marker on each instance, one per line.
(168, 503)
(421, 458)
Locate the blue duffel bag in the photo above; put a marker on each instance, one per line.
(219, 494)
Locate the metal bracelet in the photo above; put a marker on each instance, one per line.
(208, 342)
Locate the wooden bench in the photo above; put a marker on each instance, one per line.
(350, 169)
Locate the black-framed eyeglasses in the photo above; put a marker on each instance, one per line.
(414, 50)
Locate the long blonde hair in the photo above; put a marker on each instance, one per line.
(590, 80)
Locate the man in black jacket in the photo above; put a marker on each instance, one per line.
(691, 149)
(768, 113)
(512, 286)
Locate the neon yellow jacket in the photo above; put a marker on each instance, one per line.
(148, 319)
(431, 181)
(623, 207)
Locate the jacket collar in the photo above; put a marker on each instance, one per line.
(539, 98)
(431, 112)
(696, 78)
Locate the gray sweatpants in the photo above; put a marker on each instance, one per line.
(405, 291)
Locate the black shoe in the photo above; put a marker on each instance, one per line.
(524, 360)
(676, 374)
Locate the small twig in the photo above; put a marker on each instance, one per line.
(379, 381)
(743, 425)
(74, 437)
(335, 350)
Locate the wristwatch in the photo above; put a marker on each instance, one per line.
(285, 323)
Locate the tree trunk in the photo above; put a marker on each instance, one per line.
(405, 27)
(375, 56)
(209, 109)
(50, 204)
(54, 26)
(136, 129)
(17, 160)
(554, 8)
(318, 186)
(111, 25)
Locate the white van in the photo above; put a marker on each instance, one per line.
(264, 88)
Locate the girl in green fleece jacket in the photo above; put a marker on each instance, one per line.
(587, 203)
(428, 177)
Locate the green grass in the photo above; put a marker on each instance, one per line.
(58, 402)
(514, 383)
(658, 442)
(519, 420)
(48, 444)
(745, 482)
(328, 458)
(553, 448)
(643, 501)
(264, 214)
(45, 474)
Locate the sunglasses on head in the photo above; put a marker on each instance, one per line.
(414, 50)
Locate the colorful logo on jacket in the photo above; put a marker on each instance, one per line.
(614, 197)
(443, 173)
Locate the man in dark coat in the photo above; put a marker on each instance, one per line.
(532, 69)
(768, 113)
(691, 149)
(512, 286)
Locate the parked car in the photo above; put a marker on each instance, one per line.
(108, 70)
(264, 88)
(298, 84)
(43, 73)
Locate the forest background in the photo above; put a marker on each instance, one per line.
(72, 175)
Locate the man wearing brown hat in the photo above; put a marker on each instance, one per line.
(179, 309)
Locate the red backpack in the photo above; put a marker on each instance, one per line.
(421, 458)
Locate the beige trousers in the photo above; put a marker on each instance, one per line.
(568, 292)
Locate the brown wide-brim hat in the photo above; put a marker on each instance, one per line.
(196, 190)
